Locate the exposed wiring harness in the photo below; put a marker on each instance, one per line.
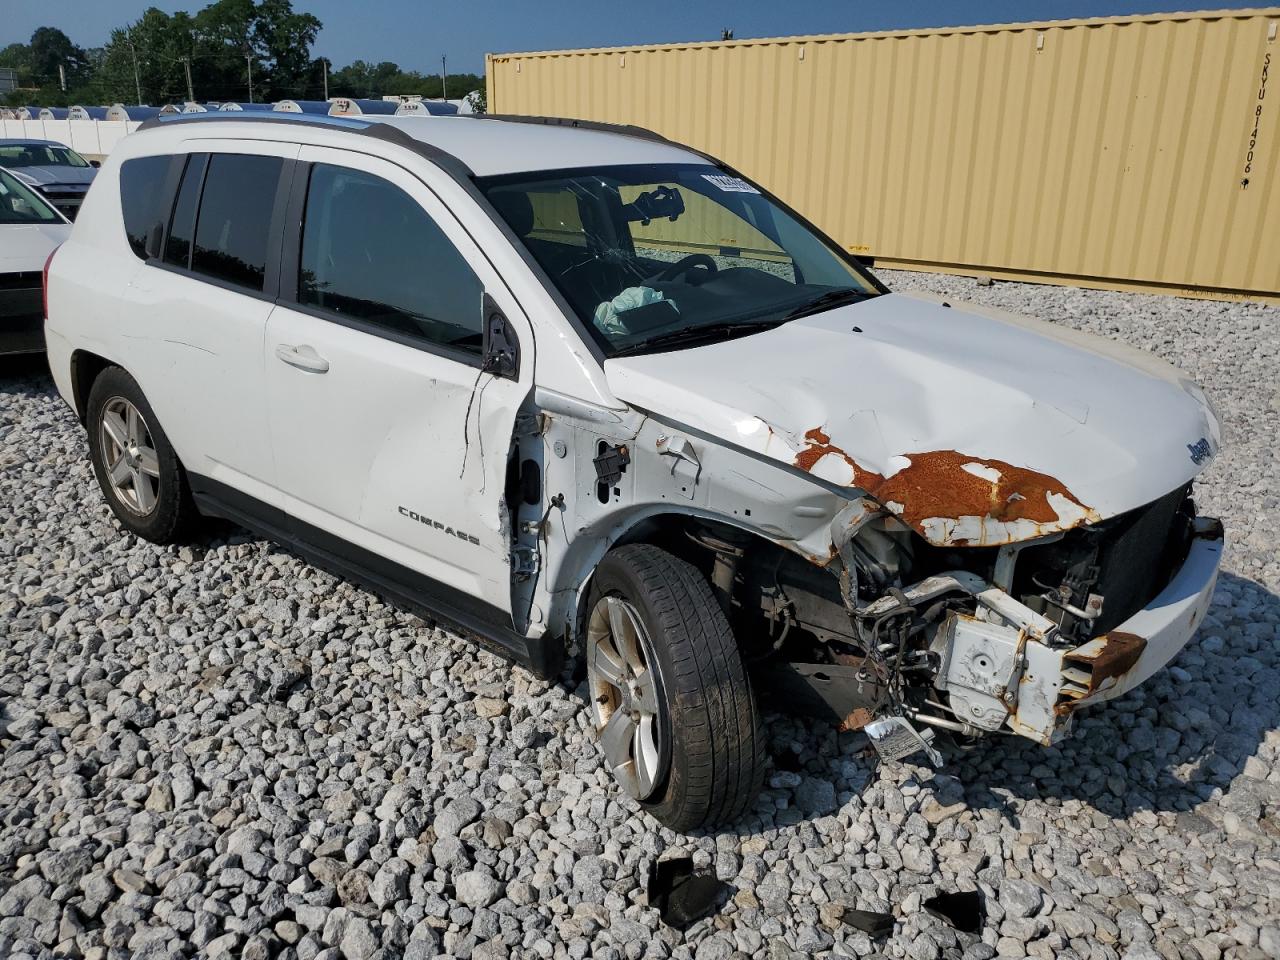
(888, 635)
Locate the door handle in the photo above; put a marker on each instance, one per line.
(304, 357)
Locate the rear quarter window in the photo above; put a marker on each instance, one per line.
(234, 221)
(141, 198)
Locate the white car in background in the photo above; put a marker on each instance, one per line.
(30, 230)
(581, 390)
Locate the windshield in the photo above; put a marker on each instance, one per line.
(15, 155)
(19, 203)
(654, 257)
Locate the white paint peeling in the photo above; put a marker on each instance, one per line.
(1069, 512)
(982, 471)
(834, 469)
(980, 531)
(896, 464)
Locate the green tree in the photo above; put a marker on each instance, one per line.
(51, 48)
(353, 80)
(460, 84)
(220, 43)
(283, 40)
(267, 37)
(156, 44)
(223, 43)
(224, 54)
(17, 56)
(362, 79)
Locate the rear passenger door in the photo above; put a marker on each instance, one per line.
(391, 443)
(205, 302)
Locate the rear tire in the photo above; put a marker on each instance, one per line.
(136, 466)
(710, 742)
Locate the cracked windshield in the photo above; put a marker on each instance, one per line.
(654, 257)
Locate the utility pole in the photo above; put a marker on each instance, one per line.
(444, 80)
(62, 77)
(137, 81)
(325, 63)
(248, 58)
(186, 64)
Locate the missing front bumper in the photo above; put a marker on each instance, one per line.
(1001, 669)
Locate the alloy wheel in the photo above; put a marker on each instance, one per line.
(129, 455)
(624, 696)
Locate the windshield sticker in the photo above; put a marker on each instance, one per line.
(729, 184)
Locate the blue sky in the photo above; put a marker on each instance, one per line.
(414, 33)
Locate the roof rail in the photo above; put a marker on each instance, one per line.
(452, 165)
(374, 127)
(627, 129)
(624, 129)
(248, 116)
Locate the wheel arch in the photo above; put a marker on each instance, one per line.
(662, 524)
(86, 367)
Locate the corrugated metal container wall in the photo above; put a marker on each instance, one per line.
(1126, 152)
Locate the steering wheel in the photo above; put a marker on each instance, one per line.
(684, 265)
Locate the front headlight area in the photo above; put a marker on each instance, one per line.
(1016, 637)
(973, 640)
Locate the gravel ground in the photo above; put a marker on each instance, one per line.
(219, 750)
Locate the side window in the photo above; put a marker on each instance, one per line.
(141, 194)
(371, 253)
(177, 246)
(235, 218)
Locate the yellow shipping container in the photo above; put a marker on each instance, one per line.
(1129, 152)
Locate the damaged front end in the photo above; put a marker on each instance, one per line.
(1012, 637)
(1014, 537)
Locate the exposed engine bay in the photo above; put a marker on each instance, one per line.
(972, 640)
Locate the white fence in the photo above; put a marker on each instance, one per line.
(93, 138)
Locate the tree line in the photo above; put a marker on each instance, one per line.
(234, 50)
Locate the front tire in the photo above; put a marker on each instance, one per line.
(136, 466)
(670, 698)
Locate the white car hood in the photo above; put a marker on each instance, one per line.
(974, 425)
(26, 246)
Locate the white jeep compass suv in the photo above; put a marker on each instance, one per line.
(580, 389)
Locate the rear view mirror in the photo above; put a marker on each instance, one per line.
(95, 163)
(501, 348)
(654, 205)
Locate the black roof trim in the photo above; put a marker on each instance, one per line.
(451, 164)
(396, 135)
(627, 129)
(256, 116)
(624, 129)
